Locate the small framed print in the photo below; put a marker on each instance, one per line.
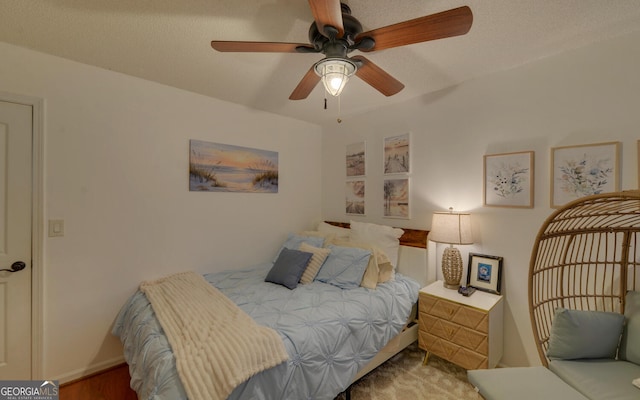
(355, 159)
(396, 198)
(485, 272)
(508, 180)
(396, 154)
(578, 171)
(354, 197)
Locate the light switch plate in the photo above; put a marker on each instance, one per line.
(56, 227)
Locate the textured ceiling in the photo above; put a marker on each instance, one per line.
(168, 41)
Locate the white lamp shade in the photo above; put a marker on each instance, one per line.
(451, 228)
(335, 72)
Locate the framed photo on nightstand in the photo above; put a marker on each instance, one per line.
(485, 272)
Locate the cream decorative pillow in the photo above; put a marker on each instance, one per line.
(318, 258)
(382, 236)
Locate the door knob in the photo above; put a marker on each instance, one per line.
(15, 267)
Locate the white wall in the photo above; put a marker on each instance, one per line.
(590, 95)
(116, 171)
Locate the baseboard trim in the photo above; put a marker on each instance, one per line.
(94, 369)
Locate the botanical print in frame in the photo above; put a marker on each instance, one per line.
(396, 198)
(355, 159)
(578, 171)
(354, 197)
(485, 272)
(396, 154)
(216, 167)
(509, 179)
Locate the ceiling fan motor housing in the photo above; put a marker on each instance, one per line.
(333, 46)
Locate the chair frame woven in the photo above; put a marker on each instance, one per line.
(586, 257)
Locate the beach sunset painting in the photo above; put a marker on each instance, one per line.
(216, 167)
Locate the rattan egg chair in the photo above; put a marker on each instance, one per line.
(585, 257)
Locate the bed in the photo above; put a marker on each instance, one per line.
(332, 335)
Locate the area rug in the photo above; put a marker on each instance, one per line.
(404, 377)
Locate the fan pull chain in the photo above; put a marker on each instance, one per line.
(339, 108)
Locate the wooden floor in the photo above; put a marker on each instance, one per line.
(112, 384)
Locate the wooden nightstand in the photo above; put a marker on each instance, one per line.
(464, 330)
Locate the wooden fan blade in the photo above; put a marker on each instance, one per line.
(327, 13)
(377, 77)
(306, 85)
(256, 47)
(445, 24)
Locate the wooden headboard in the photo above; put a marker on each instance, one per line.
(411, 237)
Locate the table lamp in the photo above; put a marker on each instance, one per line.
(451, 228)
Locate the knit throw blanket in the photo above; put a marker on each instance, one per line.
(217, 346)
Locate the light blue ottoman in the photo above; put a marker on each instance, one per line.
(530, 383)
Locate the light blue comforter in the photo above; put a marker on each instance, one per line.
(328, 332)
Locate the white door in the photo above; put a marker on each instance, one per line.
(15, 240)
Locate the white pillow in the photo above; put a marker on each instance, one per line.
(382, 236)
(339, 232)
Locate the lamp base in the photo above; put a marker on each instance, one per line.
(451, 268)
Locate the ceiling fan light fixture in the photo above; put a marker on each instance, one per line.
(335, 73)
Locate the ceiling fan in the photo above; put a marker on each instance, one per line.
(335, 33)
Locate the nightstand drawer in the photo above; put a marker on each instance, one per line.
(458, 313)
(438, 327)
(459, 355)
(469, 360)
(457, 334)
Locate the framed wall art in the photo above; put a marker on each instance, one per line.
(355, 159)
(354, 197)
(216, 167)
(509, 179)
(396, 154)
(485, 272)
(396, 198)
(578, 171)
